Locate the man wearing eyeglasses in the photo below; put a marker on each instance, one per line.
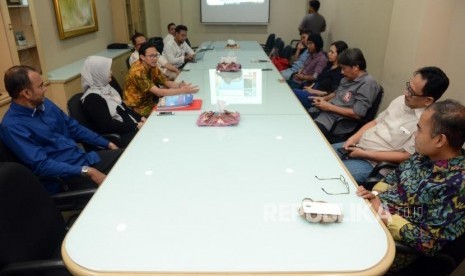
(177, 51)
(145, 82)
(421, 202)
(170, 71)
(389, 138)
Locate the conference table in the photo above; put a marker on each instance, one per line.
(185, 199)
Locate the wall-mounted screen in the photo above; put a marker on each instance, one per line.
(240, 12)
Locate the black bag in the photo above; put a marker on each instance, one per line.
(118, 46)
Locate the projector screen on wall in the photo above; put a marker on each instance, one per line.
(241, 12)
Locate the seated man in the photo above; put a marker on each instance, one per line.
(45, 139)
(171, 32)
(421, 202)
(389, 137)
(177, 51)
(170, 71)
(300, 56)
(145, 83)
(354, 96)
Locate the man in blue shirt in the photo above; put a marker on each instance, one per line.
(45, 139)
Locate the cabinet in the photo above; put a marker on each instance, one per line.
(19, 45)
(21, 35)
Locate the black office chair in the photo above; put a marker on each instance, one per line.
(31, 227)
(375, 175)
(287, 52)
(269, 44)
(369, 116)
(158, 42)
(76, 111)
(65, 201)
(278, 47)
(441, 263)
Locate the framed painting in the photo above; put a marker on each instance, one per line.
(75, 17)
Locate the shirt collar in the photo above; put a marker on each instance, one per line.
(32, 112)
(39, 109)
(453, 164)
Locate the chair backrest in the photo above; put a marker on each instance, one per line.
(6, 155)
(269, 44)
(287, 52)
(76, 111)
(31, 228)
(158, 42)
(278, 47)
(373, 110)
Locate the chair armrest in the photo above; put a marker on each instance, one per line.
(370, 182)
(31, 266)
(340, 120)
(294, 42)
(73, 200)
(382, 165)
(74, 194)
(113, 137)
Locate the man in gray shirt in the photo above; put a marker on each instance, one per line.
(353, 98)
(313, 22)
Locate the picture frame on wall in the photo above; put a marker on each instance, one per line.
(75, 17)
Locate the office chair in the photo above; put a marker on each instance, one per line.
(277, 48)
(269, 44)
(158, 42)
(369, 116)
(76, 111)
(442, 263)
(287, 52)
(31, 227)
(375, 175)
(65, 201)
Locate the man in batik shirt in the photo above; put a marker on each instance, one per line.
(145, 82)
(421, 202)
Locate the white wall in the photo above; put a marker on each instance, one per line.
(285, 16)
(425, 33)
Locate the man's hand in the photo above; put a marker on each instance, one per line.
(351, 142)
(356, 152)
(140, 125)
(375, 203)
(189, 57)
(96, 175)
(112, 146)
(364, 193)
(321, 104)
(189, 88)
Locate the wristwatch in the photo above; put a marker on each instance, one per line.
(375, 193)
(84, 170)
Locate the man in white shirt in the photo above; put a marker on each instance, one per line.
(390, 137)
(171, 31)
(170, 71)
(177, 51)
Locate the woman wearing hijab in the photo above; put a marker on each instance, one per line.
(102, 104)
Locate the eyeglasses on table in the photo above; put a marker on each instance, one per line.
(340, 178)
